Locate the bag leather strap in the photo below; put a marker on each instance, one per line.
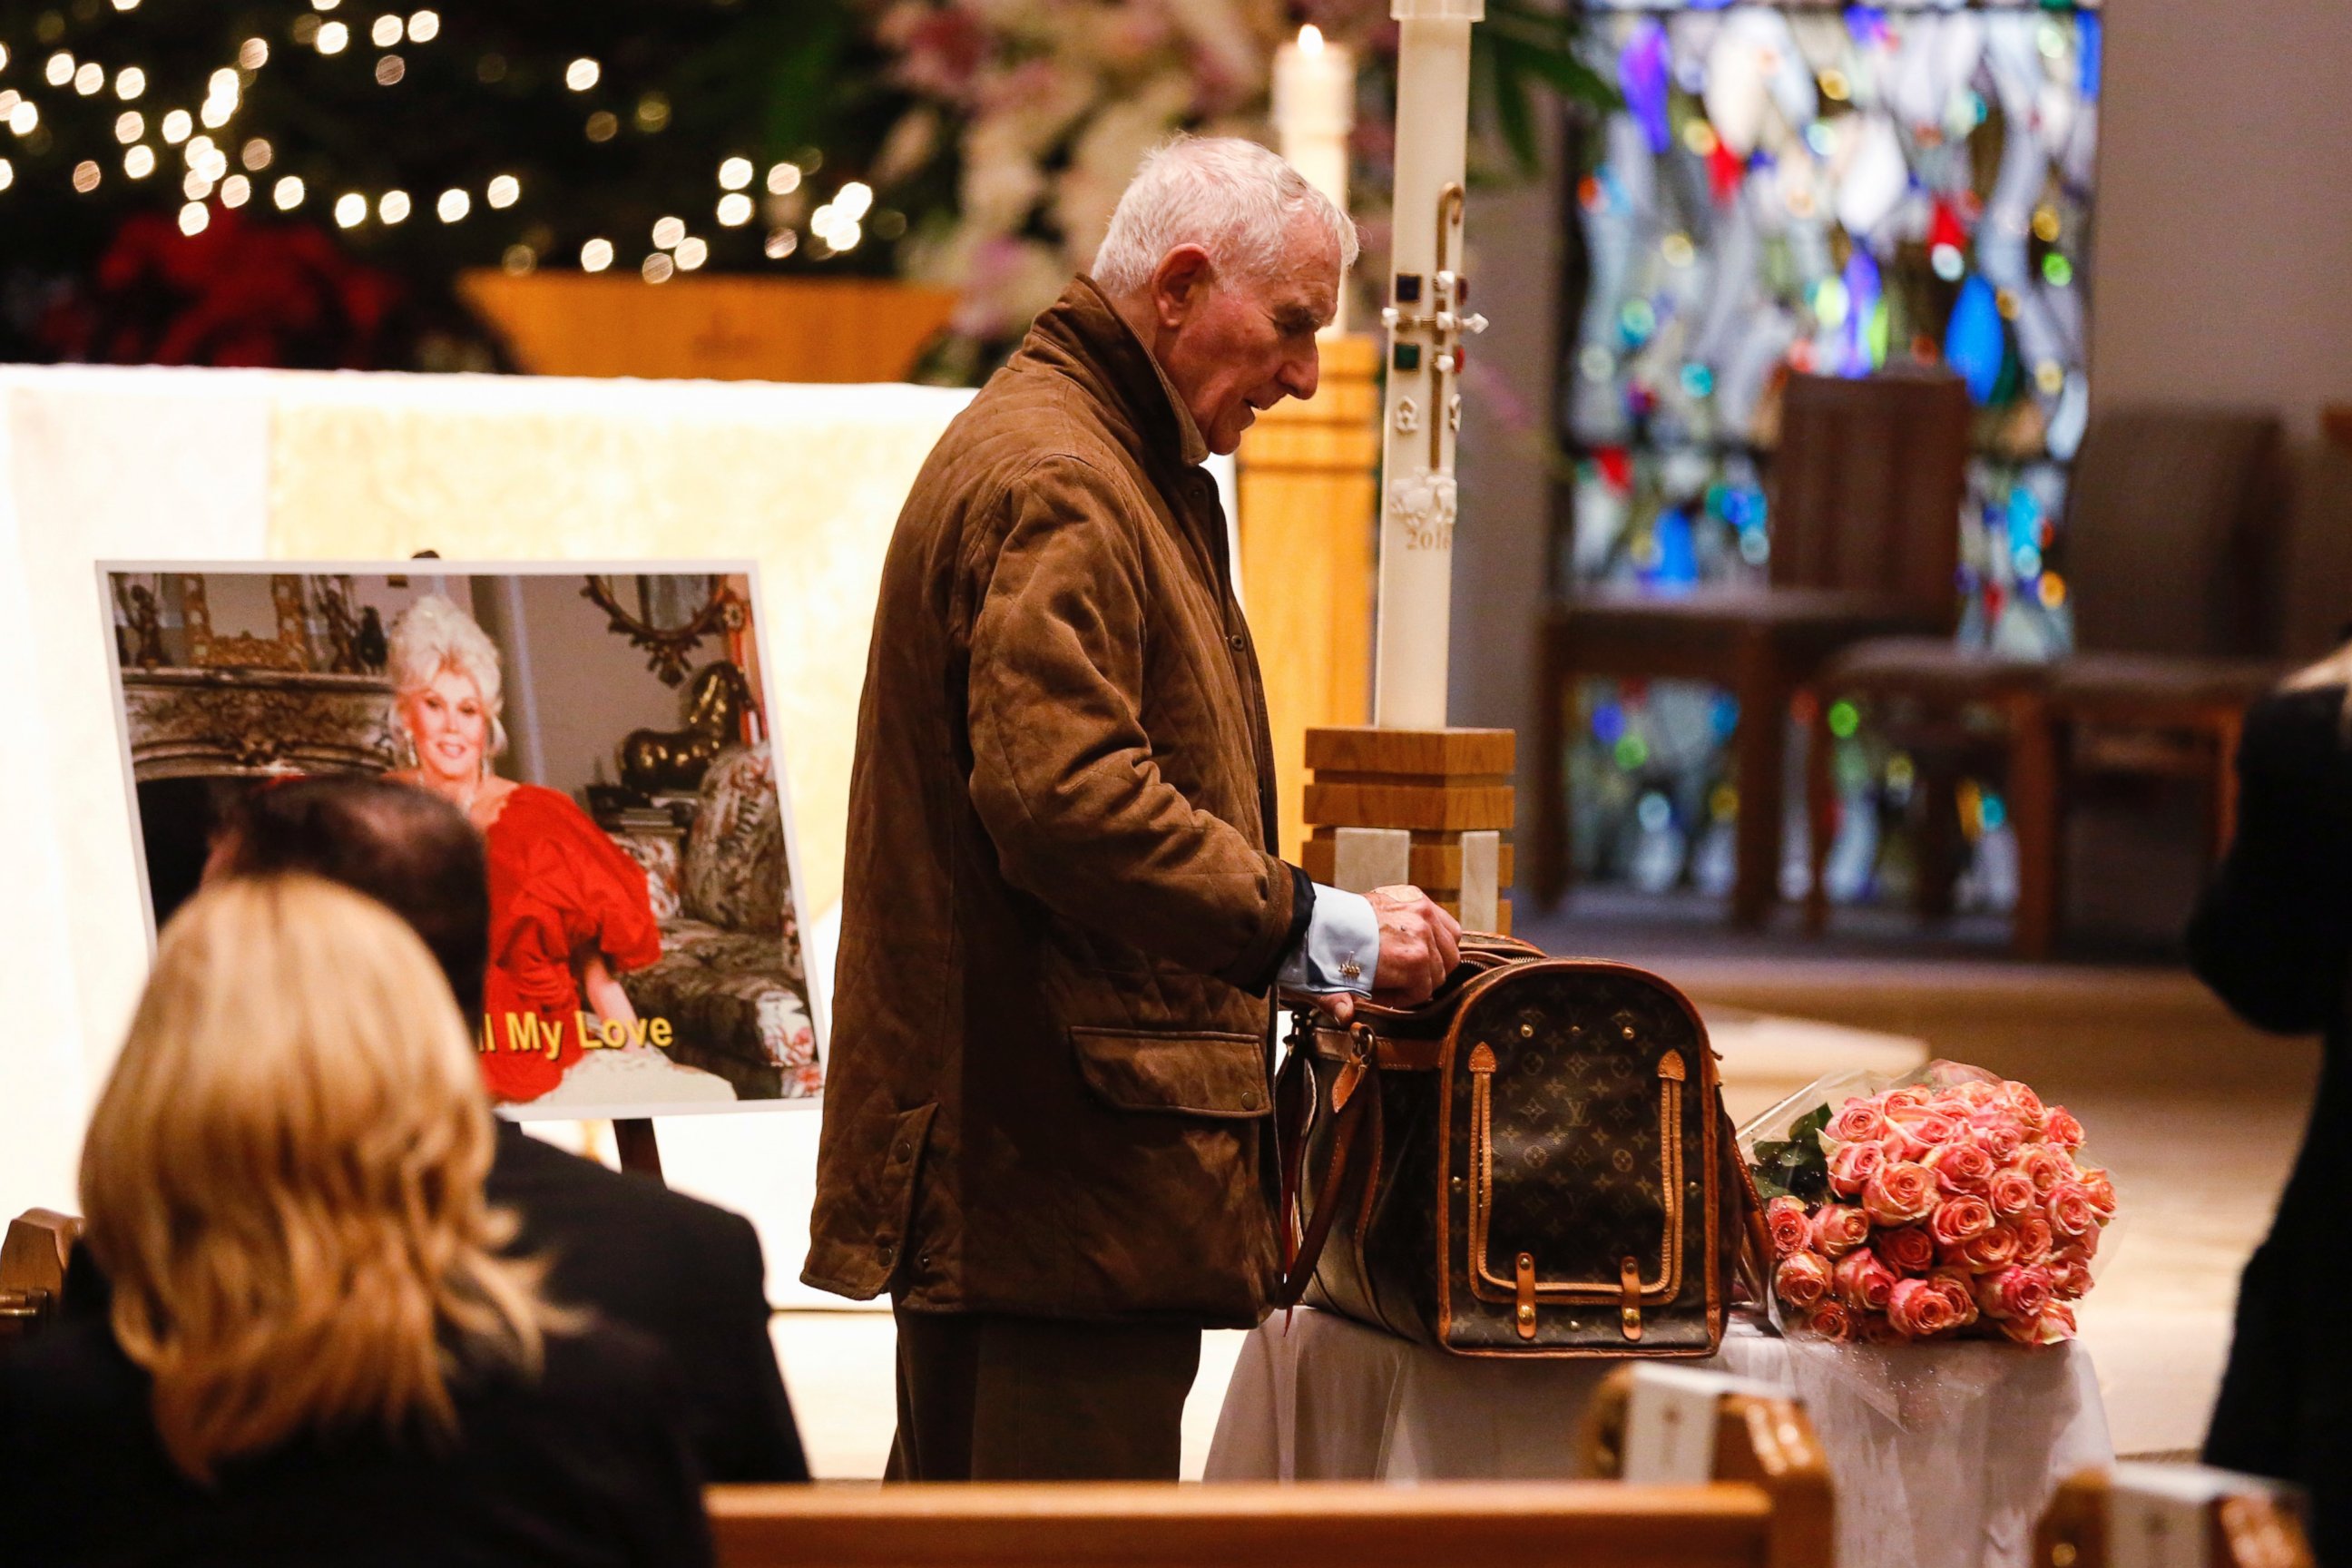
(1295, 1104)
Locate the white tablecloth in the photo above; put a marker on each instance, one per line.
(1942, 1457)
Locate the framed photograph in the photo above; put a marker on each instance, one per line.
(606, 730)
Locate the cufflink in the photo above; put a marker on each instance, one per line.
(1352, 970)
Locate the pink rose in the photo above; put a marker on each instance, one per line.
(2047, 1166)
(1909, 1095)
(1975, 1094)
(2026, 1103)
(2011, 1194)
(1874, 1330)
(2069, 1211)
(1925, 1125)
(1960, 1167)
(1838, 1229)
(1996, 1248)
(2018, 1292)
(1905, 1248)
(1900, 1192)
(1831, 1320)
(1861, 1121)
(1998, 1133)
(2059, 1127)
(1920, 1310)
(2034, 1239)
(2101, 1189)
(2054, 1326)
(1790, 1229)
(1852, 1167)
(1803, 1280)
(1959, 1289)
(1861, 1280)
(2070, 1278)
(1957, 1219)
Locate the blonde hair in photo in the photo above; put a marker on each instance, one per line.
(433, 635)
(283, 1180)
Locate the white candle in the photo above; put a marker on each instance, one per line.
(1417, 498)
(1313, 109)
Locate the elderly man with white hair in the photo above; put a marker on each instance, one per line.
(1047, 1125)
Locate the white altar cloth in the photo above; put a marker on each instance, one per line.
(1942, 1457)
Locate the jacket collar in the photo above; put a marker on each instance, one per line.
(1082, 336)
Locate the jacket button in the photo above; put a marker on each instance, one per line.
(1249, 1099)
(886, 1252)
(903, 1152)
(1234, 641)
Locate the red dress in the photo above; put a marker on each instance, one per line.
(558, 887)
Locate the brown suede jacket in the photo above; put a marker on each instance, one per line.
(1048, 1091)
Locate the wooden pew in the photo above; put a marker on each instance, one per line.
(1769, 1508)
(2230, 1522)
(33, 1270)
(1327, 1524)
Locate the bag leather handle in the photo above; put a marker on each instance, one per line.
(1302, 1252)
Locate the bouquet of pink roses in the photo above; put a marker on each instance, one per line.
(1948, 1204)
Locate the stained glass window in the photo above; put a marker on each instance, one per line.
(1825, 188)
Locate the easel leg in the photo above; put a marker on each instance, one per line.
(640, 1149)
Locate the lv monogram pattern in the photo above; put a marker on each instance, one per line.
(1578, 1175)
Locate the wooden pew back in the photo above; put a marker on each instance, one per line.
(1333, 1524)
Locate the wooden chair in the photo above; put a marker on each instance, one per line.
(2234, 1522)
(1865, 485)
(33, 1256)
(2171, 548)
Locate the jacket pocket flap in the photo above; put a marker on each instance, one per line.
(1194, 1074)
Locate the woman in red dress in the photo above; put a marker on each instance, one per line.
(568, 912)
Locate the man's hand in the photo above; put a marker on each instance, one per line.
(1419, 945)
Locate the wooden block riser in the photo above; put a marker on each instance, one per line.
(1435, 868)
(1412, 805)
(1415, 752)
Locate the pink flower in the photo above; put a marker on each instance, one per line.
(1861, 1121)
(2034, 1239)
(2101, 1189)
(1958, 1219)
(2069, 1211)
(2047, 1166)
(2070, 1277)
(1900, 1192)
(1909, 1095)
(1831, 1320)
(2061, 1128)
(1996, 1248)
(1838, 1229)
(1861, 1280)
(1960, 1167)
(2019, 1291)
(1803, 1280)
(1925, 1125)
(2026, 1103)
(1874, 1330)
(1998, 1133)
(2011, 1193)
(1920, 1310)
(1852, 1165)
(1959, 1289)
(1975, 1094)
(1905, 1248)
(2055, 1325)
(1790, 1229)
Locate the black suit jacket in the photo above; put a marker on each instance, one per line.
(586, 1466)
(684, 1273)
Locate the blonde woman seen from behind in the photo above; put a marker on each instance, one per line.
(314, 1352)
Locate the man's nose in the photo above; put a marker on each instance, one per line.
(1301, 374)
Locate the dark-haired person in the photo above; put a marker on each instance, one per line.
(2273, 937)
(687, 1273)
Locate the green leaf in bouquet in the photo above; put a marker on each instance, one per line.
(1769, 1154)
(1810, 1182)
(1807, 1129)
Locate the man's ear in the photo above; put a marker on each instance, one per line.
(1177, 284)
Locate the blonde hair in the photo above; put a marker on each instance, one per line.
(433, 635)
(1233, 199)
(283, 1180)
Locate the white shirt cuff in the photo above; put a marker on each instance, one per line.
(1341, 949)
